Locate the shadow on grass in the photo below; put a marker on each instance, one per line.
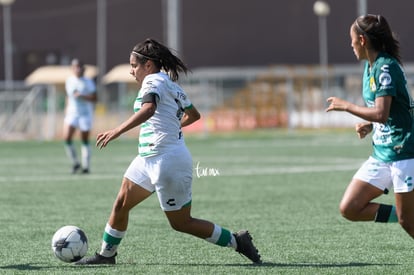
(22, 267)
(34, 267)
(321, 265)
(270, 264)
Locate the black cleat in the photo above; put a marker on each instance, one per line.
(75, 168)
(246, 247)
(96, 259)
(85, 171)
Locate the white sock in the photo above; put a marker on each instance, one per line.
(111, 240)
(86, 155)
(71, 153)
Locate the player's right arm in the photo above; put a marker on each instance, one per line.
(378, 113)
(147, 110)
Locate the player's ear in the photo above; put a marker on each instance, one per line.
(150, 65)
(362, 40)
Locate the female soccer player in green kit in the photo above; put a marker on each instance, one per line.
(389, 116)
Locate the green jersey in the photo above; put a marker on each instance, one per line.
(393, 140)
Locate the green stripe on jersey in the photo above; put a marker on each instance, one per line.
(146, 154)
(146, 134)
(145, 144)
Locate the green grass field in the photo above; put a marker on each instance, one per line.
(284, 187)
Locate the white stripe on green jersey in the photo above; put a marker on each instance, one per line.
(162, 131)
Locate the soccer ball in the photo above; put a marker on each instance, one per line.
(69, 243)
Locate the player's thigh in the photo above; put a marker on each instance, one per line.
(68, 131)
(371, 180)
(180, 216)
(404, 203)
(130, 194)
(358, 194)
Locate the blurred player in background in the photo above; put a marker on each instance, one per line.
(79, 110)
(389, 116)
(164, 164)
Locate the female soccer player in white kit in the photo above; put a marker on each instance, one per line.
(80, 99)
(164, 164)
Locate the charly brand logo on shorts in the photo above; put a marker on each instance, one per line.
(205, 171)
(408, 181)
(171, 202)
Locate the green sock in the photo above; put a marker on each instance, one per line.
(222, 237)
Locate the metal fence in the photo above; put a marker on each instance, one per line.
(229, 99)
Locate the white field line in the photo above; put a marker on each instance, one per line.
(58, 178)
(205, 166)
(285, 170)
(282, 159)
(204, 171)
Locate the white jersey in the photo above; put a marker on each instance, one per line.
(162, 132)
(78, 106)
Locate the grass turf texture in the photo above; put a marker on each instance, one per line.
(283, 186)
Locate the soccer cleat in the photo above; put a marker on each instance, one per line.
(96, 259)
(75, 168)
(246, 247)
(85, 171)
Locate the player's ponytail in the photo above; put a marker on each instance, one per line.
(378, 31)
(162, 57)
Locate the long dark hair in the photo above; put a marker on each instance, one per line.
(162, 57)
(378, 31)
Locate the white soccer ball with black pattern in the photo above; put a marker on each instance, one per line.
(69, 243)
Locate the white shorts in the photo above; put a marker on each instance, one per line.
(384, 175)
(83, 123)
(169, 174)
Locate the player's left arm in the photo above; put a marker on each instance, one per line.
(191, 115)
(89, 97)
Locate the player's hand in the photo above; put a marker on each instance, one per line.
(103, 139)
(363, 129)
(336, 104)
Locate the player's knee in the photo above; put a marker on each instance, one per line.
(407, 224)
(177, 226)
(348, 211)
